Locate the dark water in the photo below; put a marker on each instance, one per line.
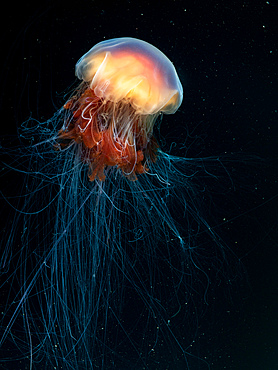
(225, 53)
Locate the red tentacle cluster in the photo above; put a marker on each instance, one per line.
(106, 140)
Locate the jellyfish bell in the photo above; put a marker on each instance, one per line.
(132, 69)
(126, 84)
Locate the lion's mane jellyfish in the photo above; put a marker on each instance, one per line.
(106, 272)
(126, 83)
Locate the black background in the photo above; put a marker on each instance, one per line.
(225, 53)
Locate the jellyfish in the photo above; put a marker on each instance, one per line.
(109, 243)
